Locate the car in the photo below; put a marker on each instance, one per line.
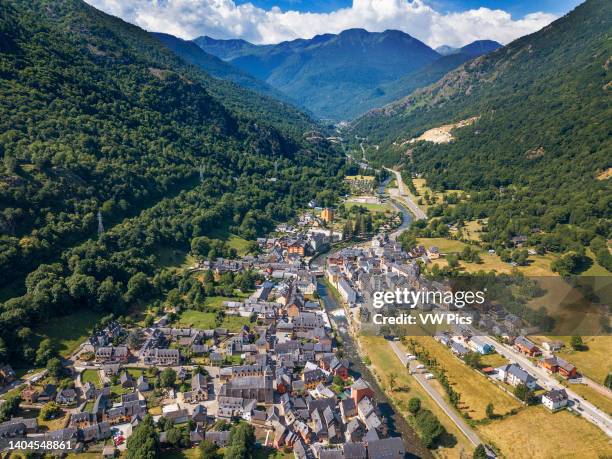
(119, 440)
(430, 376)
(420, 366)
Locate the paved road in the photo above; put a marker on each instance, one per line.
(450, 411)
(406, 198)
(589, 411)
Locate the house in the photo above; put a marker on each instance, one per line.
(555, 399)
(199, 414)
(479, 345)
(112, 354)
(525, 346)
(558, 365)
(386, 448)
(458, 349)
(199, 389)
(218, 438)
(89, 390)
(12, 429)
(47, 394)
(553, 346)
(360, 389)
(312, 378)
(80, 420)
(125, 380)
(66, 397)
(95, 432)
(142, 383)
(433, 253)
(163, 357)
(514, 375)
(327, 215)
(346, 291)
(30, 394)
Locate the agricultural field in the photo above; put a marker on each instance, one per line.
(535, 432)
(385, 363)
(476, 390)
(594, 362)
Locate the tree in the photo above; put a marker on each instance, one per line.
(414, 405)
(577, 343)
(608, 381)
(167, 378)
(392, 381)
(138, 287)
(208, 450)
(50, 410)
(143, 443)
(46, 350)
(480, 452)
(241, 442)
(55, 367)
(472, 359)
(9, 407)
(134, 338)
(490, 411)
(429, 427)
(522, 392)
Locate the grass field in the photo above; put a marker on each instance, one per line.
(197, 319)
(594, 362)
(167, 257)
(92, 376)
(537, 433)
(476, 390)
(372, 207)
(385, 362)
(591, 395)
(538, 265)
(68, 332)
(235, 323)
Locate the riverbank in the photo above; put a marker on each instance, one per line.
(395, 421)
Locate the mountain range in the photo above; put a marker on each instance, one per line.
(341, 76)
(542, 135)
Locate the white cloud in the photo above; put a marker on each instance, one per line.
(224, 19)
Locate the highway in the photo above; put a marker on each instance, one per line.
(406, 198)
(449, 410)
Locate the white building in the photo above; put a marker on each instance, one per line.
(555, 399)
(346, 291)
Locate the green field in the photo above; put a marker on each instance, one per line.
(384, 207)
(68, 332)
(197, 319)
(92, 376)
(235, 323)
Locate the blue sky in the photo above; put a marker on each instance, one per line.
(435, 22)
(518, 8)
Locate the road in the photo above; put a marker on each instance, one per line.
(406, 198)
(449, 410)
(589, 411)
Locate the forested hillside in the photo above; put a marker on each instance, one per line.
(98, 115)
(534, 163)
(214, 66)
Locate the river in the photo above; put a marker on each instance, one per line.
(395, 422)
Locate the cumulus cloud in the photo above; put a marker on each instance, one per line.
(224, 19)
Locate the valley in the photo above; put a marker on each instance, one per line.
(198, 235)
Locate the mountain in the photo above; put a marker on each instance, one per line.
(445, 50)
(329, 73)
(216, 67)
(476, 48)
(225, 49)
(115, 152)
(479, 47)
(542, 136)
(403, 86)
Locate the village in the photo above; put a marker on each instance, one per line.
(282, 370)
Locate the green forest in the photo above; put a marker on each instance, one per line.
(533, 162)
(98, 116)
